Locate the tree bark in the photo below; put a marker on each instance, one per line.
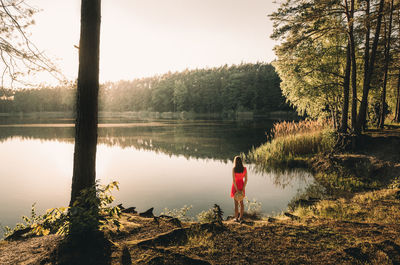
(346, 91)
(368, 68)
(397, 114)
(353, 68)
(386, 66)
(351, 44)
(84, 171)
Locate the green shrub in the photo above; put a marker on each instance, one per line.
(91, 211)
(253, 208)
(27, 222)
(179, 213)
(214, 214)
(206, 216)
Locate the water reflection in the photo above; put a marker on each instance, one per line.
(283, 177)
(220, 140)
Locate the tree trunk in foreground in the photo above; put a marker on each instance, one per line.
(84, 172)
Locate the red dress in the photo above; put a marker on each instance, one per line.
(239, 182)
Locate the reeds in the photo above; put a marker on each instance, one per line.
(290, 128)
(293, 141)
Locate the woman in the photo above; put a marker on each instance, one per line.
(239, 181)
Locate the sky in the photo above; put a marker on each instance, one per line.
(141, 38)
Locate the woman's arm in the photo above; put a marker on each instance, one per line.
(233, 177)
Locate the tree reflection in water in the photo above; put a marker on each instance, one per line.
(218, 140)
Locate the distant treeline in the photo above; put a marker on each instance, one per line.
(226, 89)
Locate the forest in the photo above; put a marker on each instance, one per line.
(225, 89)
(340, 59)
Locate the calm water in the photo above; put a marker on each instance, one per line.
(159, 163)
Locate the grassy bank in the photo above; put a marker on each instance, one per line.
(291, 144)
(309, 144)
(379, 206)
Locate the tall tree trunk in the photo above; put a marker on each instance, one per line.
(397, 114)
(366, 59)
(368, 71)
(386, 66)
(346, 91)
(84, 172)
(353, 69)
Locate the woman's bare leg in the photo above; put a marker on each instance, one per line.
(241, 209)
(236, 209)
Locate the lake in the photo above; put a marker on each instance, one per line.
(160, 163)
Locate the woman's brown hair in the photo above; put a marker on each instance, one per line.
(237, 165)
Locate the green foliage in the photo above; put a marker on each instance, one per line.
(53, 221)
(253, 208)
(311, 55)
(206, 216)
(218, 213)
(339, 182)
(181, 96)
(27, 222)
(179, 213)
(395, 184)
(91, 211)
(214, 214)
(312, 60)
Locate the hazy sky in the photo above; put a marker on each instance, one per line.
(145, 37)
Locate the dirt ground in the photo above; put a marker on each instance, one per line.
(143, 241)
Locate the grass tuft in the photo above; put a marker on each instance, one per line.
(293, 143)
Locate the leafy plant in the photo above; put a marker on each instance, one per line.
(54, 221)
(27, 222)
(91, 211)
(253, 208)
(179, 213)
(214, 214)
(206, 216)
(218, 213)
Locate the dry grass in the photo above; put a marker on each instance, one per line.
(291, 128)
(380, 206)
(201, 240)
